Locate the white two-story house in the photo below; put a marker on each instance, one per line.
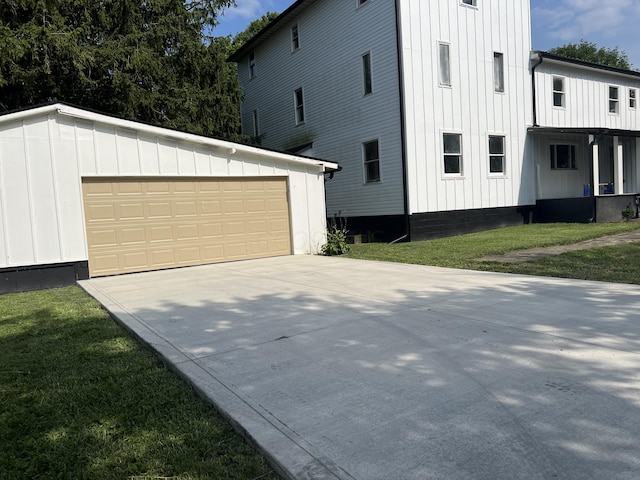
(441, 118)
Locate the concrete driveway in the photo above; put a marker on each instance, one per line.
(347, 369)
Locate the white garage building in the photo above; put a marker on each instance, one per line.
(84, 194)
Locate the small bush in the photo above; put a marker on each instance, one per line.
(336, 242)
(628, 213)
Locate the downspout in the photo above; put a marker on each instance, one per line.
(403, 127)
(533, 89)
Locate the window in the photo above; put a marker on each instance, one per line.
(366, 73)
(498, 72)
(469, 2)
(295, 38)
(563, 157)
(299, 102)
(558, 92)
(452, 153)
(614, 100)
(361, 2)
(252, 65)
(256, 125)
(496, 154)
(633, 98)
(371, 153)
(445, 68)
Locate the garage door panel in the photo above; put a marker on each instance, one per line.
(140, 225)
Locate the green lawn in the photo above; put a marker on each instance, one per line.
(81, 399)
(612, 264)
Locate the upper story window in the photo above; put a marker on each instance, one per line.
(558, 92)
(452, 153)
(371, 156)
(256, 125)
(614, 100)
(444, 64)
(359, 3)
(563, 157)
(496, 154)
(473, 3)
(252, 65)
(633, 98)
(498, 72)
(367, 74)
(295, 38)
(299, 104)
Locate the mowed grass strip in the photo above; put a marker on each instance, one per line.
(80, 398)
(612, 264)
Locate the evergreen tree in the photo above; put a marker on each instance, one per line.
(146, 60)
(589, 52)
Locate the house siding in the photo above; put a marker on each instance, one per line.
(470, 106)
(43, 159)
(586, 98)
(334, 34)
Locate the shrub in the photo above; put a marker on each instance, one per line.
(336, 241)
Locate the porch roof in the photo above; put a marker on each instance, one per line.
(585, 131)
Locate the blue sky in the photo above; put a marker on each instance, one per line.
(608, 23)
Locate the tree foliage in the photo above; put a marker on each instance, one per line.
(589, 52)
(254, 27)
(146, 60)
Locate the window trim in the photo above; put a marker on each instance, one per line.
(614, 101)
(553, 157)
(460, 155)
(503, 173)
(367, 73)
(362, 3)
(253, 72)
(366, 162)
(469, 3)
(562, 93)
(633, 98)
(256, 123)
(441, 83)
(498, 75)
(298, 103)
(295, 38)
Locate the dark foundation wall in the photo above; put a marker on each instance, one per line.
(427, 226)
(609, 208)
(373, 229)
(565, 210)
(38, 277)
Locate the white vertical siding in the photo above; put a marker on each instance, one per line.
(470, 106)
(43, 159)
(586, 98)
(334, 34)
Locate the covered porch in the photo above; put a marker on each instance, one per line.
(585, 175)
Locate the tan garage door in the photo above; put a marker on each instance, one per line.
(136, 225)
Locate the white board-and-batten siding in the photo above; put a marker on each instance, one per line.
(470, 106)
(586, 103)
(339, 117)
(44, 156)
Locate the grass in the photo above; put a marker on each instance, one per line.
(612, 264)
(81, 399)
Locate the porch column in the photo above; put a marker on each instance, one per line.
(595, 154)
(637, 165)
(618, 166)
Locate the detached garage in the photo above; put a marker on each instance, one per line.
(84, 194)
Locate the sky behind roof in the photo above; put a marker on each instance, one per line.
(608, 23)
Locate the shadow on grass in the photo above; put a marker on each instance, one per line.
(81, 399)
(413, 372)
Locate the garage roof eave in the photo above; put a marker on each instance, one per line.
(230, 146)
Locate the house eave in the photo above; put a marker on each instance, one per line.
(584, 131)
(558, 59)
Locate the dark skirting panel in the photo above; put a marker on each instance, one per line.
(38, 277)
(609, 207)
(373, 229)
(427, 226)
(565, 210)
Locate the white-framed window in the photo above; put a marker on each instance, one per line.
(497, 154)
(359, 3)
(252, 65)
(558, 92)
(452, 148)
(367, 76)
(444, 69)
(299, 104)
(473, 3)
(614, 100)
(295, 38)
(498, 72)
(256, 125)
(371, 158)
(563, 156)
(633, 98)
